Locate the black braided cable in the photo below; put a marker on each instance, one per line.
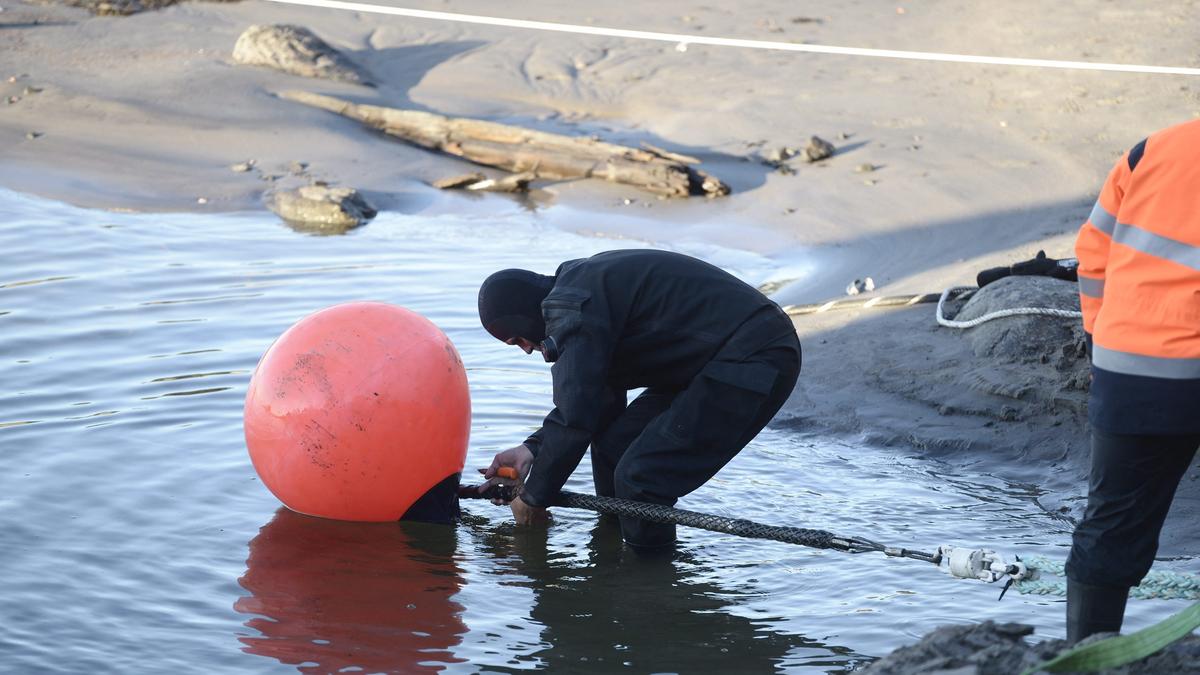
(659, 513)
(741, 527)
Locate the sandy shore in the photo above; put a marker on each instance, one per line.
(972, 166)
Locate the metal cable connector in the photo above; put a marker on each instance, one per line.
(983, 564)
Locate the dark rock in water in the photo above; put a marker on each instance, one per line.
(988, 648)
(322, 208)
(296, 50)
(993, 648)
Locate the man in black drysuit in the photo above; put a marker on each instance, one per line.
(716, 357)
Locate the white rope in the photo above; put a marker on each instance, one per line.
(1157, 585)
(861, 303)
(1037, 575)
(736, 42)
(1015, 311)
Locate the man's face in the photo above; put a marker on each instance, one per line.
(527, 346)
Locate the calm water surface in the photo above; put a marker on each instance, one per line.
(135, 536)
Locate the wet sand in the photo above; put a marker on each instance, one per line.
(970, 166)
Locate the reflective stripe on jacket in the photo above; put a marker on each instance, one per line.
(1139, 284)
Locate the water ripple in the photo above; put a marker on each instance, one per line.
(137, 536)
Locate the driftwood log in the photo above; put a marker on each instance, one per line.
(520, 150)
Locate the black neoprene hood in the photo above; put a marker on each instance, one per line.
(510, 304)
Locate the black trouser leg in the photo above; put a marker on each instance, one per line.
(1133, 480)
(610, 445)
(706, 425)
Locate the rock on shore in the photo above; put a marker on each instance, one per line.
(124, 7)
(298, 51)
(1040, 354)
(321, 208)
(991, 648)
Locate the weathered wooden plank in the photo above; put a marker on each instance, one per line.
(542, 154)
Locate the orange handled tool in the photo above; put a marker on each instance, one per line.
(507, 472)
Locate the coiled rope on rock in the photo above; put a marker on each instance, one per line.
(999, 314)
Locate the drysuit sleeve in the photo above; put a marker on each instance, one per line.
(615, 402)
(582, 397)
(534, 442)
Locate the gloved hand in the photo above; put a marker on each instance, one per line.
(516, 461)
(1065, 269)
(526, 514)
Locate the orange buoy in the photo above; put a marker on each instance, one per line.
(356, 411)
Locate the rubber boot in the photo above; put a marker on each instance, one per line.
(1093, 609)
(647, 538)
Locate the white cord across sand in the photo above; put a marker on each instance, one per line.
(735, 42)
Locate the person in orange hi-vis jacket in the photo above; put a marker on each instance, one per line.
(1139, 286)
